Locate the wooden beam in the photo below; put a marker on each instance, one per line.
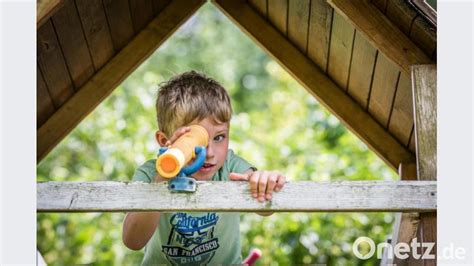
(316, 82)
(45, 9)
(113, 73)
(424, 95)
(305, 196)
(381, 33)
(406, 224)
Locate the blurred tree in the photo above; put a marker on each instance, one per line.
(276, 125)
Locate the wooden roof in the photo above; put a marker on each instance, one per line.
(353, 56)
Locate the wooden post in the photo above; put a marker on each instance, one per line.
(406, 224)
(424, 95)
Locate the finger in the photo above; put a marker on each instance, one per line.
(280, 182)
(178, 133)
(238, 177)
(272, 181)
(253, 180)
(262, 185)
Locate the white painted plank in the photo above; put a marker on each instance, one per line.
(304, 196)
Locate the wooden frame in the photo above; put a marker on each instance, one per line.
(316, 82)
(45, 9)
(113, 73)
(303, 196)
(385, 36)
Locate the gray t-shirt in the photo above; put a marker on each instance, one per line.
(199, 237)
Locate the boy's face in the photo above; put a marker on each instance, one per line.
(216, 151)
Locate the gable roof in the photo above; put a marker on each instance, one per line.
(353, 56)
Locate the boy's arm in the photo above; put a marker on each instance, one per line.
(138, 227)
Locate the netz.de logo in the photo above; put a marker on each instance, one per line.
(400, 250)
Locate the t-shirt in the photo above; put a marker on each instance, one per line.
(197, 237)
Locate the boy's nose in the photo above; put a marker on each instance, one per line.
(209, 151)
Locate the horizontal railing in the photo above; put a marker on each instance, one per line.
(301, 196)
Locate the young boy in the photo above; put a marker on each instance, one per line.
(196, 238)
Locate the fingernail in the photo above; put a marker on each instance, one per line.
(254, 195)
(269, 197)
(261, 199)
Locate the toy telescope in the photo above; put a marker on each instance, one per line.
(172, 162)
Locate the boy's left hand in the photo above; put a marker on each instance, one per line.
(262, 183)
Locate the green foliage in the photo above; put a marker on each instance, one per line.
(276, 125)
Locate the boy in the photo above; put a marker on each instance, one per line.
(196, 238)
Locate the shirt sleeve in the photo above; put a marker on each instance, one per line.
(237, 164)
(146, 172)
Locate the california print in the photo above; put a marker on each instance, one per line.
(191, 240)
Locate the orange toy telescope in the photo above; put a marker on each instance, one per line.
(172, 161)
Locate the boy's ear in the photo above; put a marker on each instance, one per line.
(161, 138)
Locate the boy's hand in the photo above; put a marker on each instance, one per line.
(178, 133)
(262, 183)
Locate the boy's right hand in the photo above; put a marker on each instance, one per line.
(178, 133)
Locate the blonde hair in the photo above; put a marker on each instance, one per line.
(190, 96)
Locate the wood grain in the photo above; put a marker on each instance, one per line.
(53, 66)
(260, 5)
(142, 13)
(304, 196)
(424, 88)
(316, 82)
(380, 4)
(96, 30)
(112, 74)
(298, 18)
(73, 43)
(120, 22)
(381, 33)
(360, 75)
(159, 5)
(406, 224)
(383, 89)
(320, 33)
(401, 120)
(45, 9)
(340, 51)
(424, 35)
(44, 104)
(278, 14)
(424, 84)
(401, 14)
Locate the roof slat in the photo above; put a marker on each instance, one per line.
(113, 73)
(401, 121)
(320, 32)
(316, 82)
(383, 89)
(96, 30)
(298, 20)
(340, 50)
(277, 14)
(45, 9)
(159, 5)
(401, 14)
(51, 62)
(260, 5)
(362, 70)
(44, 104)
(142, 13)
(381, 33)
(120, 22)
(73, 43)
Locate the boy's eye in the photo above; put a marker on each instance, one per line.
(219, 138)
